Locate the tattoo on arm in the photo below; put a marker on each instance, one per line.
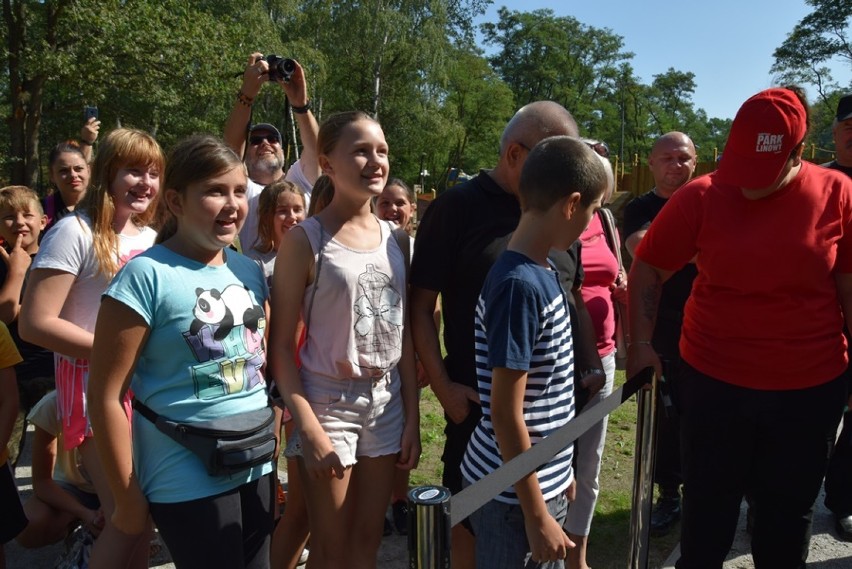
(651, 298)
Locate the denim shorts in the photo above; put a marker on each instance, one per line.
(362, 418)
(501, 537)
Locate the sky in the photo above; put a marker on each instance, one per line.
(727, 44)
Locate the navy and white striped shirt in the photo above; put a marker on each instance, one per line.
(522, 323)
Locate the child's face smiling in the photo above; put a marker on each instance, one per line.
(359, 162)
(289, 210)
(212, 211)
(26, 225)
(393, 205)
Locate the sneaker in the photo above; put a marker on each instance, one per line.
(665, 514)
(400, 516)
(303, 558)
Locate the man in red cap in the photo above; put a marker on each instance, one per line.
(762, 385)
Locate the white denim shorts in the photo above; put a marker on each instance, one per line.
(362, 418)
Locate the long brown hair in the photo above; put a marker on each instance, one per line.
(121, 148)
(267, 203)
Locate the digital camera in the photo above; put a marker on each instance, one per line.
(280, 67)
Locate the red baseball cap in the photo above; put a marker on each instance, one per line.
(766, 129)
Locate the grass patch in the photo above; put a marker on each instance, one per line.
(609, 540)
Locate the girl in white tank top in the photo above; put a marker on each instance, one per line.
(354, 400)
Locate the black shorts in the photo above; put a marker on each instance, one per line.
(14, 520)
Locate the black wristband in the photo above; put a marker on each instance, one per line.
(301, 110)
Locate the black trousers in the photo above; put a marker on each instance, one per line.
(667, 469)
(838, 479)
(230, 530)
(772, 445)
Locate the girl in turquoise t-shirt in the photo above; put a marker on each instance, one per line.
(183, 326)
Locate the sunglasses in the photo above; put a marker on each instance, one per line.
(270, 138)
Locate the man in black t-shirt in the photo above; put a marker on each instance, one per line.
(458, 240)
(672, 162)
(838, 479)
(841, 131)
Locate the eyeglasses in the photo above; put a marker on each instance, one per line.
(270, 138)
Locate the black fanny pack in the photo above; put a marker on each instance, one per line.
(226, 445)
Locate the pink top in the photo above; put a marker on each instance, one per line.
(601, 269)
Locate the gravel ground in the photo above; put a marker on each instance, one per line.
(826, 552)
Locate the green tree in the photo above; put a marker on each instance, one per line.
(481, 104)
(164, 66)
(820, 37)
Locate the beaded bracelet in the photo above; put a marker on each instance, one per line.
(244, 99)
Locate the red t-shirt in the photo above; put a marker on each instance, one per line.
(764, 311)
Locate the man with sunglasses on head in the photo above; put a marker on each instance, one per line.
(264, 155)
(672, 163)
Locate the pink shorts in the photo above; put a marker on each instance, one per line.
(72, 381)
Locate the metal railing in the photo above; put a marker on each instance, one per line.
(433, 510)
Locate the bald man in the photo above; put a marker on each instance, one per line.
(672, 162)
(460, 237)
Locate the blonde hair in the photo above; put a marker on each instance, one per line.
(19, 198)
(121, 148)
(267, 203)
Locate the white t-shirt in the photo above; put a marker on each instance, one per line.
(248, 234)
(68, 248)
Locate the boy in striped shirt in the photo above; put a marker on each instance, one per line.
(525, 359)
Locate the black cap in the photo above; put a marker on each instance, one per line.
(265, 126)
(844, 108)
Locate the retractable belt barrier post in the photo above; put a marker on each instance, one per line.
(429, 540)
(643, 477)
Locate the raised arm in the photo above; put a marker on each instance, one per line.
(88, 136)
(297, 93)
(254, 76)
(17, 262)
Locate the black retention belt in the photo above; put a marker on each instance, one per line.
(226, 445)
(476, 495)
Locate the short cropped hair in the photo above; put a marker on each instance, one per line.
(557, 167)
(20, 198)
